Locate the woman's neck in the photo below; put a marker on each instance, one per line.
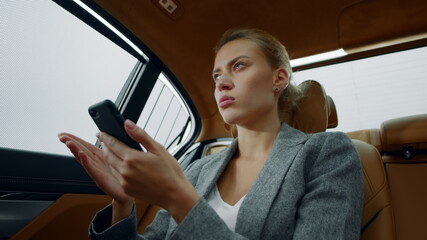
(255, 142)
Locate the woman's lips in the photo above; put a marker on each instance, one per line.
(225, 101)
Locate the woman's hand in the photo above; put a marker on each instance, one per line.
(105, 177)
(93, 161)
(153, 176)
(122, 172)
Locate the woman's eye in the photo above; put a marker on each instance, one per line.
(216, 76)
(238, 66)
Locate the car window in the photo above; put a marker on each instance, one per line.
(51, 74)
(165, 117)
(368, 91)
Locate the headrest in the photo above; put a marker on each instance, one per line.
(400, 133)
(333, 116)
(312, 112)
(315, 110)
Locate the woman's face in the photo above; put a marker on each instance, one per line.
(244, 83)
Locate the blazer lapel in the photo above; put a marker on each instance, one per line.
(256, 205)
(211, 171)
(208, 176)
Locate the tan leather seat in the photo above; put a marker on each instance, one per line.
(404, 143)
(405, 133)
(371, 136)
(333, 115)
(377, 221)
(312, 112)
(317, 112)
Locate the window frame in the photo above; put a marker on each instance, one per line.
(31, 172)
(144, 75)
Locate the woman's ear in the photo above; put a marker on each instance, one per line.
(281, 79)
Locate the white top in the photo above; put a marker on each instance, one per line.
(227, 212)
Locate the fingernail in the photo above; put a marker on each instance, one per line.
(130, 124)
(98, 134)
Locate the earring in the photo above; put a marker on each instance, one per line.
(276, 89)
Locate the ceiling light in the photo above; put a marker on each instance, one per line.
(107, 24)
(318, 57)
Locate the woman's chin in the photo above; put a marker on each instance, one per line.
(231, 120)
(234, 117)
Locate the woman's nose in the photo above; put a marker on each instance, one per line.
(224, 83)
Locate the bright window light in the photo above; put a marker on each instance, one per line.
(318, 57)
(166, 82)
(369, 91)
(102, 20)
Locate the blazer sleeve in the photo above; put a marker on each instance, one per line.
(101, 228)
(332, 205)
(202, 222)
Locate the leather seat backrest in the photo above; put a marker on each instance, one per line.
(371, 136)
(315, 113)
(333, 115)
(406, 132)
(404, 142)
(377, 221)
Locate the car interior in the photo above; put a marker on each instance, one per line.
(49, 196)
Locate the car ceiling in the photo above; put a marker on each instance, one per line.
(184, 40)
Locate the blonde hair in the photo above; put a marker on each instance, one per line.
(276, 56)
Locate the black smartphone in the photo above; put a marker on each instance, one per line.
(108, 119)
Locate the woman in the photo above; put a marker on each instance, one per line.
(272, 182)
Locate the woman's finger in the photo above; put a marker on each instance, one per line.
(70, 136)
(76, 146)
(88, 165)
(118, 148)
(103, 176)
(112, 159)
(141, 136)
(93, 167)
(74, 150)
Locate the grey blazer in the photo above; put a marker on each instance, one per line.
(311, 187)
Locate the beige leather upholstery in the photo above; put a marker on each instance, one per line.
(371, 136)
(403, 132)
(333, 115)
(215, 148)
(317, 112)
(67, 218)
(378, 221)
(312, 112)
(405, 157)
(409, 195)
